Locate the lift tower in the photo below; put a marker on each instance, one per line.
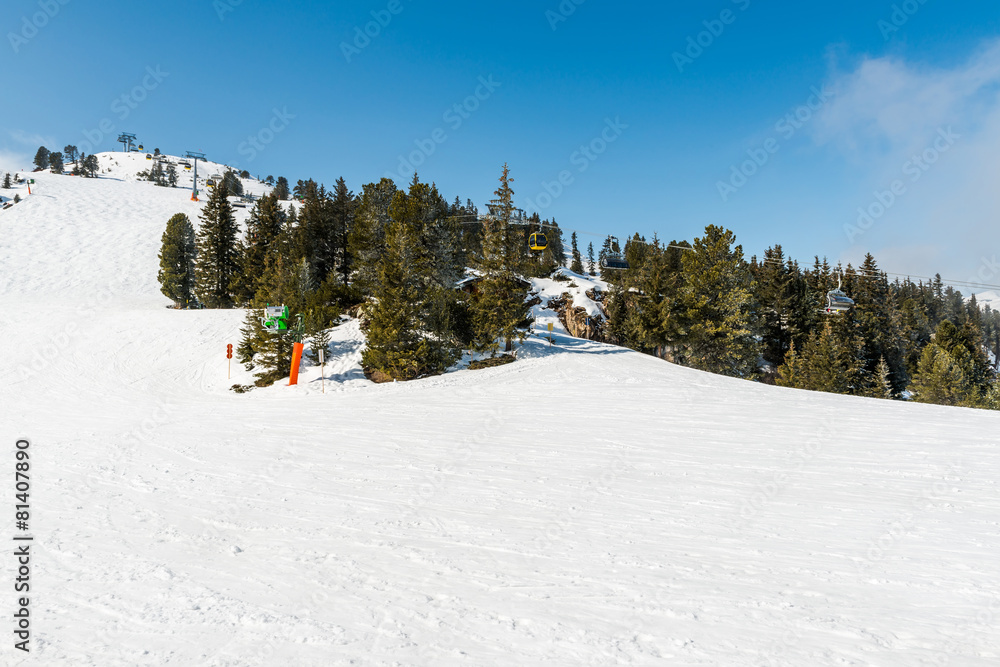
(126, 139)
(194, 183)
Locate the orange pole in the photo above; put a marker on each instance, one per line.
(293, 377)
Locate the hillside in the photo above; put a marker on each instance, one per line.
(584, 505)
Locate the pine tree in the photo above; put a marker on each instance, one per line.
(577, 264)
(252, 336)
(281, 188)
(56, 163)
(940, 379)
(343, 209)
(830, 362)
(394, 344)
(718, 306)
(591, 265)
(172, 175)
(499, 309)
(42, 157)
(367, 238)
(317, 238)
(264, 226)
(883, 381)
(436, 261)
(6, 181)
(155, 174)
(217, 251)
(177, 261)
(233, 183)
(71, 153)
(87, 166)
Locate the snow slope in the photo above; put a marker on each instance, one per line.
(586, 505)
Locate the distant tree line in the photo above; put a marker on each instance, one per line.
(83, 165)
(703, 305)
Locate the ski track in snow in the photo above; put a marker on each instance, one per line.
(586, 505)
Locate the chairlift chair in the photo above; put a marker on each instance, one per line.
(148, 156)
(614, 259)
(836, 301)
(537, 241)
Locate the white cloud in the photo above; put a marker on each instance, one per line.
(13, 161)
(886, 116)
(36, 140)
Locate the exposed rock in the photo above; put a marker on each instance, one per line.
(576, 320)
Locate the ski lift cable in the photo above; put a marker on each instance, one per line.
(863, 274)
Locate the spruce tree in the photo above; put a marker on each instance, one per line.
(882, 387)
(90, 165)
(394, 344)
(830, 362)
(499, 309)
(718, 307)
(217, 251)
(6, 181)
(252, 336)
(155, 174)
(367, 238)
(343, 209)
(281, 188)
(591, 265)
(42, 157)
(264, 226)
(233, 183)
(177, 261)
(577, 264)
(940, 379)
(56, 163)
(172, 175)
(317, 238)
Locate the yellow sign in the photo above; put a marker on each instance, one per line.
(550, 326)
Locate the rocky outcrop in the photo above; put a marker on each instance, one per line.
(576, 320)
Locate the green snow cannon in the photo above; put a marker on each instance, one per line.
(275, 318)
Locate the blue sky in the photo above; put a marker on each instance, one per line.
(587, 92)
